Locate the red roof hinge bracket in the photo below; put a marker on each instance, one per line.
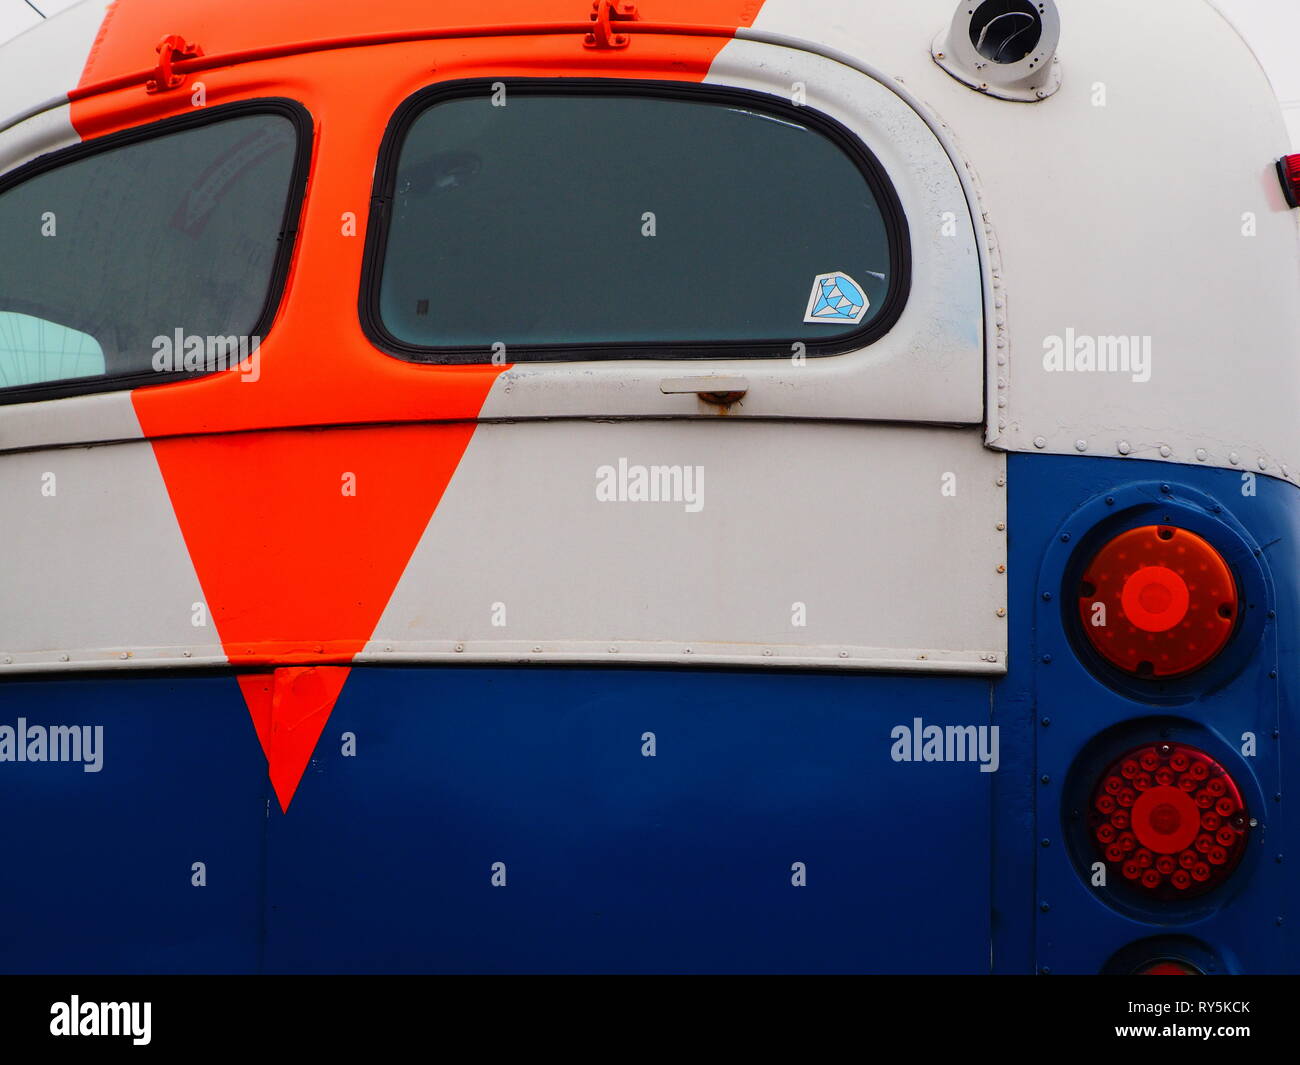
(170, 49)
(604, 13)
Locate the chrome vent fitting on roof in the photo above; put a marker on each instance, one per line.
(1004, 48)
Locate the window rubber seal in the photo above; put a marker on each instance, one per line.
(886, 197)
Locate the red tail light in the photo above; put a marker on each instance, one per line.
(1168, 967)
(1169, 820)
(1158, 601)
(1288, 169)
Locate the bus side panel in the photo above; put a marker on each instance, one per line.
(512, 819)
(102, 868)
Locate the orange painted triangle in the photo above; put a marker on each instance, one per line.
(298, 538)
(290, 708)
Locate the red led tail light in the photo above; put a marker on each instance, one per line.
(1158, 601)
(1169, 820)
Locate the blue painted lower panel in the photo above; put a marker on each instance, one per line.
(97, 866)
(613, 861)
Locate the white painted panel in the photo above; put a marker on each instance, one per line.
(1122, 219)
(71, 420)
(97, 571)
(42, 133)
(850, 520)
(42, 64)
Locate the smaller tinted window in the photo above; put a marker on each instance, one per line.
(578, 222)
(120, 253)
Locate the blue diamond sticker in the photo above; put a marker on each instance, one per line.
(837, 299)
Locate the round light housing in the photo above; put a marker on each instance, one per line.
(1169, 820)
(1158, 601)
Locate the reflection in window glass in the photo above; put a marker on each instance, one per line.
(34, 350)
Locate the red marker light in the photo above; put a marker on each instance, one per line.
(1174, 840)
(1288, 170)
(1158, 601)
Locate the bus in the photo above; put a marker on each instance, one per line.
(716, 486)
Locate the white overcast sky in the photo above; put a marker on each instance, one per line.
(1271, 26)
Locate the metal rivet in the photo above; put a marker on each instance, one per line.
(1166, 489)
(1045, 779)
(1047, 660)
(1002, 611)
(767, 651)
(1044, 907)
(1039, 442)
(1001, 526)
(1046, 721)
(1165, 451)
(1263, 465)
(1081, 445)
(124, 654)
(844, 654)
(537, 650)
(1200, 454)
(1234, 458)
(460, 647)
(1065, 538)
(1047, 597)
(63, 658)
(1110, 501)
(686, 651)
(1001, 569)
(613, 650)
(1123, 447)
(1046, 842)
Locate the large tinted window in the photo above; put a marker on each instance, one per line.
(588, 221)
(112, 253)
